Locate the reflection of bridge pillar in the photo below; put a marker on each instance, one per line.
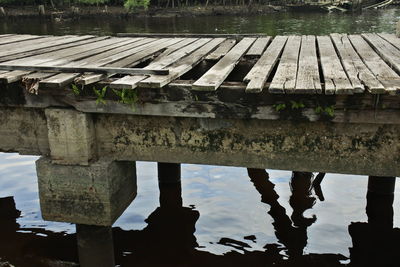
(380, 198)
(93, 197)
(95, 245)
(169, 180)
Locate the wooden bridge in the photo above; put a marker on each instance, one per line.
(336, 64)
(93, 105)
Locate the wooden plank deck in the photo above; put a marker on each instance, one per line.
(337, 64)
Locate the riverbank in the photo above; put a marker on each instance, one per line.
(121, 12)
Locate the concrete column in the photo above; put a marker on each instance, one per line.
(72, 137)
(380, 197)
(95, 246)
(94, 195)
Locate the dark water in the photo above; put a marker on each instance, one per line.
(383, 20)
(227, 217)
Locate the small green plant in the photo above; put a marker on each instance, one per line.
(127, 96)
(328, 111)
(101, 93)
(279, 107)
(75, 89)
(296, 105)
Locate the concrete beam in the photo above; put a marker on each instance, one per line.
(93, 195)
(348, 148)
(23, 130)
(71, 136)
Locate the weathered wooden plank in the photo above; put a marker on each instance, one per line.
(285, 76)
(307, 81)
(89, 68)
(131, 60)
(74, 52)
(97, 60)
(39, 44)
(335, 78)
(51, 49)
(27, 44)
(214, 77)
(174, 47)
(358, 73)
(18, 38)
(258, 46)
(221, 50)
(389, 53)
(260, 72)
(168, 60)
(391, 38)
(388, 77)
(182, 66)
(60, 57)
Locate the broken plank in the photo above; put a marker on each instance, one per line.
(174, 48)
(181, 67)
(127, 82)
(59, 57)
(221, 50)
(335, 78)
(285, 76)
(215, 76)
(136, 57)
(98, 60)
(168, 60)
(258, 46)
(260, 72)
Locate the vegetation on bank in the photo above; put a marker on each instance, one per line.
(131, 4)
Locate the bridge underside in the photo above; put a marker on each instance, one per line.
(351, 148)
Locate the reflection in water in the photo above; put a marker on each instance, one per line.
(375, 243)
(28, 247)
(172, 233)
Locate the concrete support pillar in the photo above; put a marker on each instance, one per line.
(169, 181)
(95, 195)
(380, 197)
(72, 137)
(95, 246)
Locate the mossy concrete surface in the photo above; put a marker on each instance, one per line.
(95, 195)
(323, 146)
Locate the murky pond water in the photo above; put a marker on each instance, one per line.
(227, 218)
(276, 23)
